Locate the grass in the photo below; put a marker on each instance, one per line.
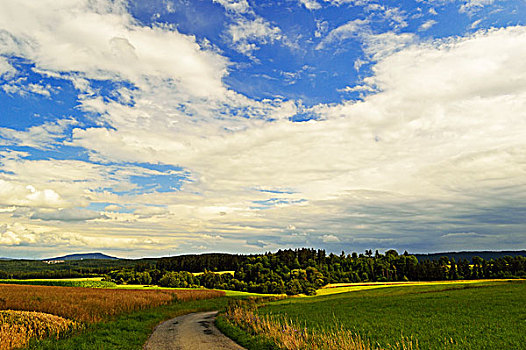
(282, 333)
(243, 337)
(127, 331)
(489, 315)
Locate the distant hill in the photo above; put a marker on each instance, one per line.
(86, 256)
(486, 255)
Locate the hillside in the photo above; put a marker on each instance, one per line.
(84, 256)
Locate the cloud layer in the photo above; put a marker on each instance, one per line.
(168, 157)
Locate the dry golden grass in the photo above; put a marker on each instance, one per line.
(91, 305)
(17, 327)
(287, 335)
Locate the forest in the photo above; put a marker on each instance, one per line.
(302, 271)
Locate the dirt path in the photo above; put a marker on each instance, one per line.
(190, 332)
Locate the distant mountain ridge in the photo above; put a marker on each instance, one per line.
(84, 256)
(486, 255)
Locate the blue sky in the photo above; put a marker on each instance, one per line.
(152, 128)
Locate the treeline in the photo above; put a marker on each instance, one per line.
(486, 255)
(25, 269)
(305, 270)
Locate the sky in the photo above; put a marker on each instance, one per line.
(166, 127)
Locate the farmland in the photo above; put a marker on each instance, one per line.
(18, 327)
(487, 315)
(73, 306)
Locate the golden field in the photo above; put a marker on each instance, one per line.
(17, 327)
(39, 311)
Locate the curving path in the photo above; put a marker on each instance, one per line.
(194, 331)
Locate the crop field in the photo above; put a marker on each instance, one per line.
(336, 288)
(68, 307)
(18, 327)
(91, 305)
(489, 315)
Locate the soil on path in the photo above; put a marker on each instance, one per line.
(194, 331)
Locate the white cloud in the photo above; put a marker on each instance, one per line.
(12, 193)
(472, 6)
(237, 6)
(378, 46)
(351, 29)
(11, 235)
(310, 4)
(427, 24)
(100, 40)
(146, 212)
(357, 88)
(475, 24)
(350, 2)
(446, 126)
(396, 16)
(6, 69)
(330, 239)
(39, 136)
(246, 33)
(112, 207)
(67, 215)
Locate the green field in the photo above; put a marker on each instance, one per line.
(489, 315)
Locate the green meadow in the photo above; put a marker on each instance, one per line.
(487, 315)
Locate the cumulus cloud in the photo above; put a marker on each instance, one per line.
(16, 234)
(432, 100)
(15, 194)
(310, 4)
(101, 40)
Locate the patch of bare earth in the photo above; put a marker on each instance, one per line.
(194, 331)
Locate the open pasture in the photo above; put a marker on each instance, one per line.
(486, 315)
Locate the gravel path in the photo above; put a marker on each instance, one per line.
(190, 332)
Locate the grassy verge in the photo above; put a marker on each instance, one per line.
(127, 331)
(242, 337)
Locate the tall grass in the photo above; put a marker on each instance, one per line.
(18, 327)
(287, 334)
